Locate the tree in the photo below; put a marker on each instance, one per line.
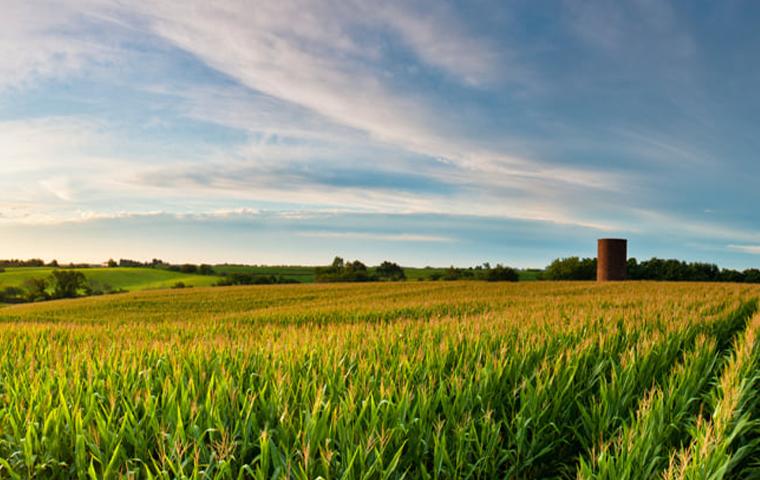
(112, 263)
(500, 273)
(12, 295)
(338, 264)
(36, 289)
(188, 268)
(125, 262)
(571, 268)
(67, 283)
(390, 271)
(206, 269)
(752, 275)
(341, 271)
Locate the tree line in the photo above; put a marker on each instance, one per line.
(486, 272)
(575, 268)
(356, 271)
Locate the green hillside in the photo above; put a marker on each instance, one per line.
(116, 278)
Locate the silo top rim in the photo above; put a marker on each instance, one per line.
(613, 239)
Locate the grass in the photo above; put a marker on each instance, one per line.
(298, 273)
(118, 278)
(415, 380)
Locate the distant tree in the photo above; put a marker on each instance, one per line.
(356, 266)
(67, 283)
(338, 264)
(752, 275)
(250, 279)
(36, 289)
(390, 271)
(112, 263)
(188, 268)
(342, 271)
(500, 273)
(34, 262)
(125, 262)
(732, 276)
(12, 295)
(571, 268)
(206, 269)
(53, 264)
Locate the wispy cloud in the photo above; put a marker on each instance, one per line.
(40, 39)
(601, 118)
(383, 237)
(314, 65)
(753, 249)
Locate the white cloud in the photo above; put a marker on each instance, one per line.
(42, 39)
(314, 96)
(308, 54)
(753, 249)
(383, 237)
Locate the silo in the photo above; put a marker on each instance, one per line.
(612, 259)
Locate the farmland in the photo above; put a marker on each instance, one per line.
(414, 380)
(117, 278)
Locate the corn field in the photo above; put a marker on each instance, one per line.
(386, 381)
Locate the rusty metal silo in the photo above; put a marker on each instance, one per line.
(612, 259)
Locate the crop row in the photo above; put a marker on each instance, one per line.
(552, 381)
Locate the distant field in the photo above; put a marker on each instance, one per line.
(118, 278)
(307, 274)
(299, 273)
(430, 380)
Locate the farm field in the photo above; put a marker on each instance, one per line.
(410, 380)
(305, 274)
(117, 278)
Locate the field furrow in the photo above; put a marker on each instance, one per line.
(366, 381)
(724, 440)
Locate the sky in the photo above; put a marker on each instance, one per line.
(423, 132)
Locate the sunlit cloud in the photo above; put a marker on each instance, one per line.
(753, 249)
(383, 237)
(607, 119)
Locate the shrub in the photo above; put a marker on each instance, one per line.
(502, 274)
(206, 269)
(341, 271)
(36, 289)
(390, 271)
(188, 268)
(67, 283)
(12, 295)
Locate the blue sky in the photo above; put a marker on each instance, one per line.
(423, 132)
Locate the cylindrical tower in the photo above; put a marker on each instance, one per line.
(612, 259)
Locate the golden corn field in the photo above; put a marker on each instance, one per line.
(385, 381)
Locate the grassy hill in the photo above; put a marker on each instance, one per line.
(117, 278)
(135, 278)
